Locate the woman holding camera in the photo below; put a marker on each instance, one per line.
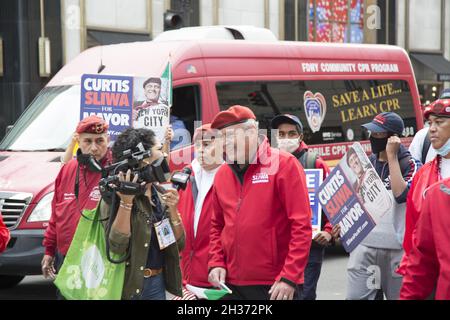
(146, 228)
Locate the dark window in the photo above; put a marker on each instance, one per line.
(348, 104)
(297, 19)
(386, 33)
(187, 105)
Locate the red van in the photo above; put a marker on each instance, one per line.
(333, 88)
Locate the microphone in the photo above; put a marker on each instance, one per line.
(180, 179)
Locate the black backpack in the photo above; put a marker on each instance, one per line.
(308, 159)
(425, 148)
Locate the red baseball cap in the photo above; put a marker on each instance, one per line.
(92, 124)
(233, 115)
(439, 108)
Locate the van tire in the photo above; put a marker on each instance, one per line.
(7, 282)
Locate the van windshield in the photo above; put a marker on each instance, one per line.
(48, 123)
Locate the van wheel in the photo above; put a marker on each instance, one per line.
(9, 281)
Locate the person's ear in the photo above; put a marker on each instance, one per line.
(300, 137)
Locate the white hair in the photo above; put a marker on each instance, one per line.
(250, 123)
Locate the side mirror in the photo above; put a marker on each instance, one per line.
(8, 129)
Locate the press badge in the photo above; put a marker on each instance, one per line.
(164, 233)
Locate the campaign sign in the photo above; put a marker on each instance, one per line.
(109, 97)
(342, 206)
(354, 197)
(314, 179)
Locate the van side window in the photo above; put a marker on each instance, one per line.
(336, 108)
(185, 110)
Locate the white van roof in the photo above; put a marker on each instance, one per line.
(249, 33)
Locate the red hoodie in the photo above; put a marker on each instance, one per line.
(194, 257)
(429, 258)
(425, 177)
(4, 235)
(65, 207)
(261, 229)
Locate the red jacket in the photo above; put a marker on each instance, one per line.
(194, 257)
(425, 177)
(261, 229)
(4, 235)
(66, 209)
(320, 164)
(429, 258)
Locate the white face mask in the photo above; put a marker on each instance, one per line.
(288, 145)
(444, 150)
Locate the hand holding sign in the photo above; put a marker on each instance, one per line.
(354, 197)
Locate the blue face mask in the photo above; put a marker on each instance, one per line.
(444, 150)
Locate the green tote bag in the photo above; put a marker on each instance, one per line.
(86, 273)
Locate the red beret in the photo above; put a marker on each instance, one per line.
(92, 124)
(439, 108)
(234, 115)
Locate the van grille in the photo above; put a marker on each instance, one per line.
(12, 207)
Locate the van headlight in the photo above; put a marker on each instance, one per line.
(43, 209)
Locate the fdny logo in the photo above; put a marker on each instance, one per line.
(95, 194)
(315, 109)
(260, 178)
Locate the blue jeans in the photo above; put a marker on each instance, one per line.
(154, 289)
(312, 272)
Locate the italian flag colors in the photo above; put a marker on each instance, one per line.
(209, 294)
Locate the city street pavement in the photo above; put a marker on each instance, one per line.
(30, 288)
(331, 284)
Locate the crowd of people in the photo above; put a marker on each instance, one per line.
(244, 219)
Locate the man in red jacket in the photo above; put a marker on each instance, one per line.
(196, 207)
(76, 189)
(290, 139)
(4, 235)
(438, 115)
(429, 259)
(261, 225)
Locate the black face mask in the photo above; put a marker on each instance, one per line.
(89, 161)
(378, 145)
(157, 171)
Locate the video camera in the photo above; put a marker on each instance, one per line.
(157, 171)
